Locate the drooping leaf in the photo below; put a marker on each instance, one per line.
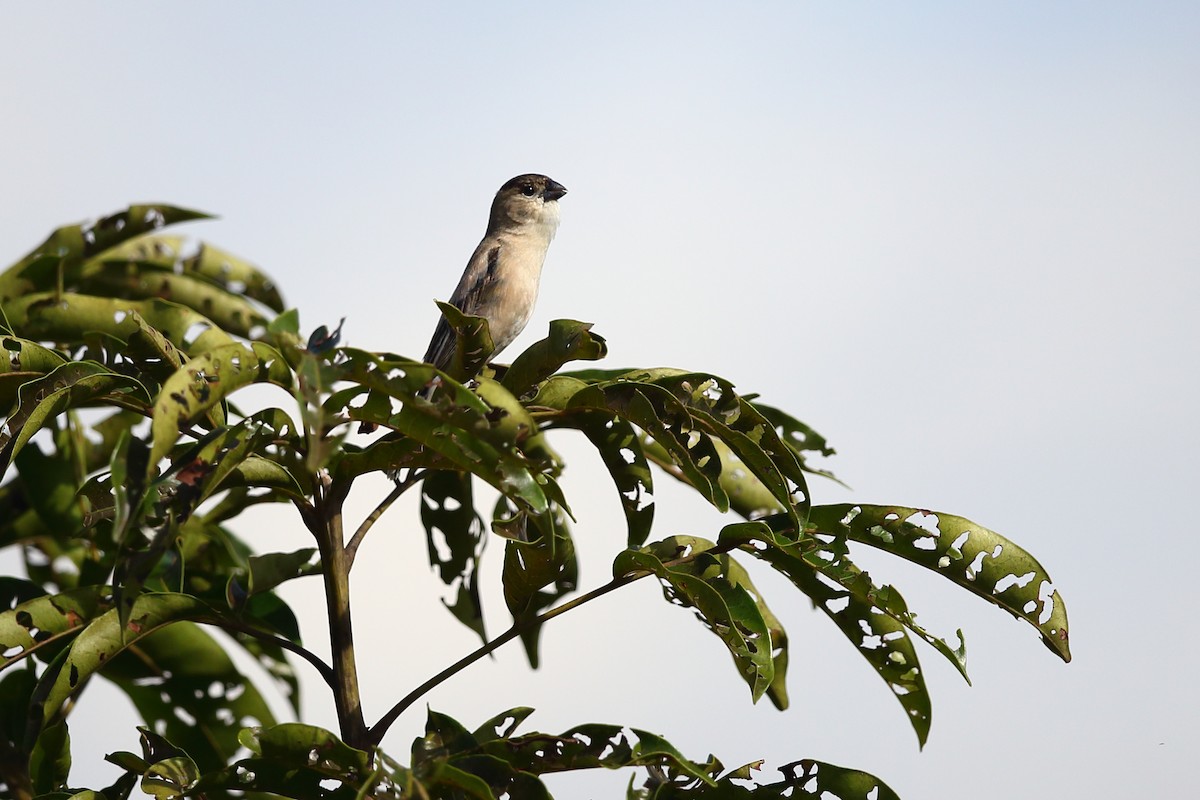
(184, 684)
(234, 275)
(621, 450)
(656, 412)
(455, 537)
(104, 638)
(872, 618)
(539, 566)
(980, 560)
(719, 594)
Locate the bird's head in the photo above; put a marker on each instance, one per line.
(527, 200)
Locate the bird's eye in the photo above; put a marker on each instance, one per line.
(528, 190)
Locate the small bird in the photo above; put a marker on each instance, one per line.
(501, 280)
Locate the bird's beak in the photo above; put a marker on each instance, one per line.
(554, 190)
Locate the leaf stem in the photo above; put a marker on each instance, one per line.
(373, 517)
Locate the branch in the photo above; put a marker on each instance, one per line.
(376, 733)
(373, 517)
(324, 669)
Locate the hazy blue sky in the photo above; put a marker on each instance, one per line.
(961, 240)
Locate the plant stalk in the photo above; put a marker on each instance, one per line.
(341, 630)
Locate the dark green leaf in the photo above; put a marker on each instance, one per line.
(720, 595)
(539, 566)
(455, 536)
(980, 560)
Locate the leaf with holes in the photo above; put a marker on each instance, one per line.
(185, 685)
(800, 438)
(619, 447)
(72, 385)
(104, 638)
(725, 606)
(507, 762)
(457, 424)
(455, 536)
(231, 312)
(42, 622)
(234, 275)
(200, 386)
(294, 760)
(71, 244)
(874, 619)
(720, 412)
(668, 423)
(70, 317)
(977, 559)
(802, 780)
(539, 566)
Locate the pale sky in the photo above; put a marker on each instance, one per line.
(960, 240)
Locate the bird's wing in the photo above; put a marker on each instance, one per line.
(473, 289)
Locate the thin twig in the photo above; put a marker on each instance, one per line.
(376, 733)
(324, 669)
(373, 517)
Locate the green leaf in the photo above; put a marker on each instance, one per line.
(473, 345)
(183, 682)
(456, 424)
(71, 385)
(455, 536)
(44, 621)
(200, 386)
(230, 312)
(539, 566)
(668, 423)
(568, 341)
(719, 411)
(719, 594)
(621, 450)
(170, 778)
(294, 760)
(71, 317)
(873, 619)
(69, 245)
(980, 560)
(103, 639)
(50, 759)
(234, 275)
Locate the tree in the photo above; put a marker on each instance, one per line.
(126, 460)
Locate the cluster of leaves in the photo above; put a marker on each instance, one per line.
(125, 460)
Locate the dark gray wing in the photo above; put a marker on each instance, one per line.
(468, 298)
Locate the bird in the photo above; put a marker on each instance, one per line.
(502, 276)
